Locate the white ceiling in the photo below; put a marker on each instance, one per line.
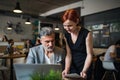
(34, 7)
(54, 8)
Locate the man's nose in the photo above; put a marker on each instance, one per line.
(50, 43)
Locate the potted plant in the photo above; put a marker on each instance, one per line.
(52, 75)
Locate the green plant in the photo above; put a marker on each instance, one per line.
(52, 75)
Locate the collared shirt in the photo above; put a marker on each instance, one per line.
(49, 60)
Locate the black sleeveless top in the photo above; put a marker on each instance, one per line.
(78, 50)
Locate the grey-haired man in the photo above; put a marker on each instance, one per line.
(47, 52)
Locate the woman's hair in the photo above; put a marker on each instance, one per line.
(10, 40)
(71, 14)
(30, 42)
(117, 42)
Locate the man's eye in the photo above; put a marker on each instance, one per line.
(47, 41)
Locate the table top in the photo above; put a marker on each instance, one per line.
(12, 56)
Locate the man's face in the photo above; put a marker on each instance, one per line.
(48, 42)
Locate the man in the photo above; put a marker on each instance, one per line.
(112, 54)
(10, 48)
(47, 52)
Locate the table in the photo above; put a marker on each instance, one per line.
(11, 57)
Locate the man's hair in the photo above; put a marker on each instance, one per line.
(10, 40)
(117, 42)
(46, 31)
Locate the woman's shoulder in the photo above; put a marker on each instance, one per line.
(84, 29)
(84, 32)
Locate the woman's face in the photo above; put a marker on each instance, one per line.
(69, 26)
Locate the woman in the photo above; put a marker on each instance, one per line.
(79, 40)
(28, 44)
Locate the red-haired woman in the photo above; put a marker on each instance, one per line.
(79, 40)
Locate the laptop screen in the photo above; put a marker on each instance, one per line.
(24, 71)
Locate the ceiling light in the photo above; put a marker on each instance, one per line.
(17, 8)
(28, 21)
(10, 25)
(9, 28)
(57, 28)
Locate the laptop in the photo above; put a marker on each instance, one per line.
(24, 71)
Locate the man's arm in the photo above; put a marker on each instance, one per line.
(112, 54)
(113, 51)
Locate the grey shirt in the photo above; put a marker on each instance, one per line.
(36, 55)
(107, 56)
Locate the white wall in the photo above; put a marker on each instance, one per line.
(90, 7)
(27, 29)
(94, 6)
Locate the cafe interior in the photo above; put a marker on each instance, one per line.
(101, 17)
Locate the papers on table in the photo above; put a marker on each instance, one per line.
(73, 75)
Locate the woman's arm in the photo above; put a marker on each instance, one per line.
(89, 48)
(67, 59)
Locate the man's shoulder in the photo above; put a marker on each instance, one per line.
(59, 49)
(112, 47)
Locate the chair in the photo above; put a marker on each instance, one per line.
(3, 69)
(109, 67)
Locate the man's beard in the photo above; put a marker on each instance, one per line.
(49, 48)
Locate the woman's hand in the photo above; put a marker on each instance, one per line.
(83, 74)
(64, 73)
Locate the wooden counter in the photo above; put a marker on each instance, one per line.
(98, 51)
(3, 45)
(15, 43)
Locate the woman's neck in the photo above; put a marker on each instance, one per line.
(76, 31)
